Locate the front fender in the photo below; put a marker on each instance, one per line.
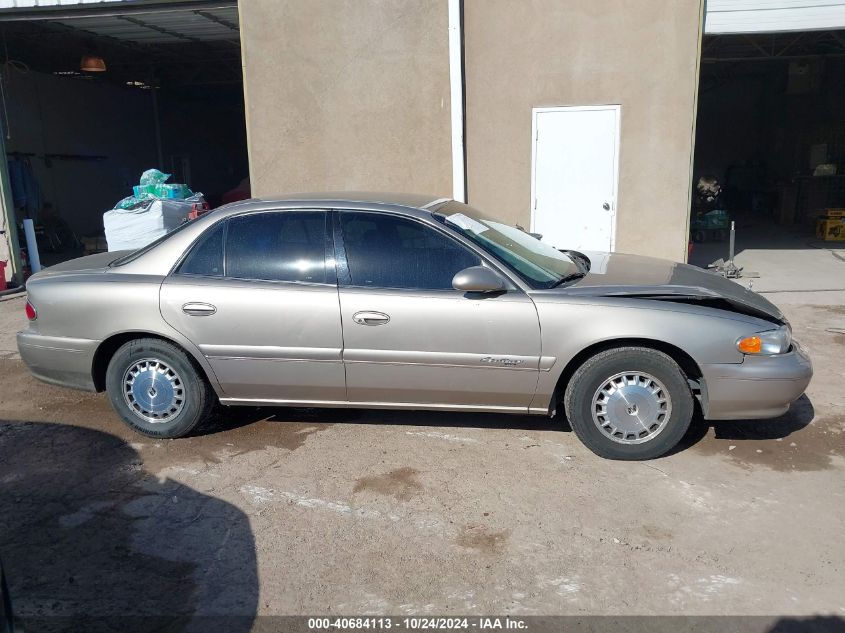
(572, 325)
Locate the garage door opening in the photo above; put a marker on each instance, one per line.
(94, 95)
(770, 143)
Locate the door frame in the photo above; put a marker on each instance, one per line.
(617, 109)
(440, 361)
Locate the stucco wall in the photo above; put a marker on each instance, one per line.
(533, 53)
(347, 94)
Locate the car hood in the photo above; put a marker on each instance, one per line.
(620, 275)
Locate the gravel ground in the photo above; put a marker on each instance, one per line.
(292, 511)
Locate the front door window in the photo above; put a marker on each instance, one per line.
(384, 251)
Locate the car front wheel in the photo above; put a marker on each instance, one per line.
(157, 390)
(629, 403)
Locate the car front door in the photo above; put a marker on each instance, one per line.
(410, 338)
(258, 296)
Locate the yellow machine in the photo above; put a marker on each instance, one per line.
(831, 226)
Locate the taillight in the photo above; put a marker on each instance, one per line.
(31, 314)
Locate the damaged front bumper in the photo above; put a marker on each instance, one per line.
(758, 387)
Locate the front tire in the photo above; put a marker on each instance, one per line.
(629, 403)
(157, 390)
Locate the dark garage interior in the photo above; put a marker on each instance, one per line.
(771, 131)
(94, 95)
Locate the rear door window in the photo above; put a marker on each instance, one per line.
(277, 246)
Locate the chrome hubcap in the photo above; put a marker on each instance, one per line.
(153, 391)
(631, 407)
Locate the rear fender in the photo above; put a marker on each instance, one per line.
(107, 307)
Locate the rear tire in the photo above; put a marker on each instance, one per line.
(629, 403)
(157, 390)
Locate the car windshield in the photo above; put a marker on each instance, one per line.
(539, 264)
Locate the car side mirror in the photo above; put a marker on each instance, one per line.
(478, 279)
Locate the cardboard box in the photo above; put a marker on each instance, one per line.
(834, 213)
(831, 229)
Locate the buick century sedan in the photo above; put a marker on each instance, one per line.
(407, 302)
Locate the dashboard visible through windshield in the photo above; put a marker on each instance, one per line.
(539, 264)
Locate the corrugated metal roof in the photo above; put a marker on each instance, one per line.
(137, 21)
(163, 27)
(773, 16)
(28, 4)
(140, 21)
(177, 43)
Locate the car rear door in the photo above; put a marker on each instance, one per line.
(258, 295)
(410, 339)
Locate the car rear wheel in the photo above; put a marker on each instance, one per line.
(157, 390)
(629, 403)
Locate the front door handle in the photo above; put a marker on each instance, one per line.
(199, 309)
(370, 318)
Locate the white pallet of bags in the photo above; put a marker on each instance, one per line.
(131, 229)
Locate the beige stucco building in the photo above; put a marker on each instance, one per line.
(585, 121)
(356, 94)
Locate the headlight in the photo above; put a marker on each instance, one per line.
(769, 342)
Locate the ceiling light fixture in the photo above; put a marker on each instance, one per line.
(92, 64)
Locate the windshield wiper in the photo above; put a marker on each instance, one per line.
(579, 259)
(566, 278)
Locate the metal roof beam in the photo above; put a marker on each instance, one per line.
(769, 58)
(159, 29)
(218, 20)
(42, 34)
(112, 9)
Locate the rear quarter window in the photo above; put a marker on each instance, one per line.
(206, 255)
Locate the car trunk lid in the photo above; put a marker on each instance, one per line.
(90, 263)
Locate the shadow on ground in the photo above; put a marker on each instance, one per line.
(745, 442)
(91, 541)
(230, 418)
(795, 441)
(800, 414)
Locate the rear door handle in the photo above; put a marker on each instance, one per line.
(370, 318)
(199, 309)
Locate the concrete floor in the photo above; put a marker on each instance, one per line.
(373, 512)
(778, 259)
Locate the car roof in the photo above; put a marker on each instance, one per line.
(160, 259)
(341, 198)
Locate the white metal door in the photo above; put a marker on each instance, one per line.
(574, 176)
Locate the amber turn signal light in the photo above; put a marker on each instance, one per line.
(750, 345)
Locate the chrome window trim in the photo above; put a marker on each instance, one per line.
(429, 222)
(331, 271)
